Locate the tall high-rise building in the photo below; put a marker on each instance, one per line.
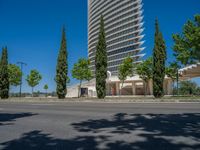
(123, 26)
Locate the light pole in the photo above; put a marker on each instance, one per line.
(177, 81)
(21, 67)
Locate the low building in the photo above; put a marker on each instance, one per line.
(133, 86)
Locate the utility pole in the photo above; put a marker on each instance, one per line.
(21, 67)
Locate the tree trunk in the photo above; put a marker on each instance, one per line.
(46, 93)
(10, 91)
(32, 91)
(173, 87)
(79, 89)
(120, 92)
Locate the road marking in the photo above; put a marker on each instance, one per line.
(1, 109)
(41, 104)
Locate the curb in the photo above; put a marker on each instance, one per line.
(43, 100)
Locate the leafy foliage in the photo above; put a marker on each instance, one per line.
(171, 71)
(4, 76)
(81, 71)
(15, 75)
(144, 70)
(189, 88)
(101, 62)
(33, 79)
(187, 47)
(126, 69)
(159, 58)
(46, 87)
(62, 69)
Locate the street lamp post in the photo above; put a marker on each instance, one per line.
(177, 82)
(21, 67)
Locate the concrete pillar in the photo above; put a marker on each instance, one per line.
(169, 87)
(117, 88)
(151, 87)
(133, 88)
(165, 87)
(108, 91)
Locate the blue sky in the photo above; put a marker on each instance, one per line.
(31, 29)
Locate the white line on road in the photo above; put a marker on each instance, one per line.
(42, 104)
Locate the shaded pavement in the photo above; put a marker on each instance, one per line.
(91, 127)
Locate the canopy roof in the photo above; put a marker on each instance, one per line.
(191, 71)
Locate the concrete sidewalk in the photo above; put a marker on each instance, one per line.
(110, 100)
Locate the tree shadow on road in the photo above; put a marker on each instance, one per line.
(168, 124)
(9, 118)
(157, 131)
(122, 132)
(36, 140)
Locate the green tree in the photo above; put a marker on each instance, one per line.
(15, 75)
(198, 91)
(188, 88)
(145, 72)
(46, 87)
(126, 69)
(101, 62)
(33, 79)
(81, 71)
(159, 58)
(4, 76)
(187, 47)
(62, 69)
(172, 72)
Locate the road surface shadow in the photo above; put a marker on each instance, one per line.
(9, 118)
(122, 132)
(36, 140)
(158, 131)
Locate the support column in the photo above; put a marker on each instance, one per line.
(151, 87)
(169, 87)
(108, 89)
(133, 88)
(117, 88)
(165, 86)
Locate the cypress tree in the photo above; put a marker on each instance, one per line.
(159, 58)
(62, 68)
(4, 77)
(101, 62)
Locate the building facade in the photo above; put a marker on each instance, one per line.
(123, 21)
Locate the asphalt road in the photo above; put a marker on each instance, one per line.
(99, 126)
